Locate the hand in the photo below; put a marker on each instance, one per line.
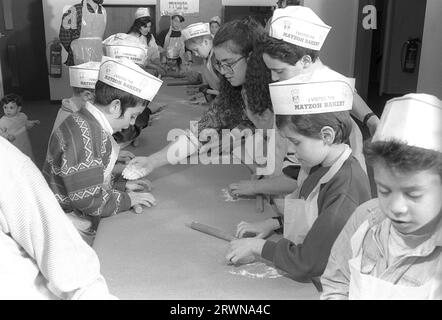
(156, 107)
(243, 250)
(139, 185)
(138, 167)
(11, 137)
(262, 228)
(141, 198)
(372, 124)
(125, 156)
(243, 188)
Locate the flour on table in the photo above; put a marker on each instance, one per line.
(256, 270)
(228, 197)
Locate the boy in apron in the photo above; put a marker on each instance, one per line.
(391, 248)
(199, 41)
(15, 124)
(82, 151)
(292, 49)
(331, 183)
(81, 32)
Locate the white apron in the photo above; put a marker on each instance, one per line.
(89, 46)
(367, 287)
(300, 214)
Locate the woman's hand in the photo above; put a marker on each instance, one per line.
(261, 229)
(243, 188)
(243, 250)
(138, 167)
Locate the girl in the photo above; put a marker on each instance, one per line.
(331, 183)
(232, 45)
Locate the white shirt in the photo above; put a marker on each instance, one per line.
(42, 254)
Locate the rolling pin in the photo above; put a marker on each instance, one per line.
(138, 208)
(212, 231)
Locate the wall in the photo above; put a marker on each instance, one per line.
(402, 12)
(52, 11)
(430, 71)
(338, 51)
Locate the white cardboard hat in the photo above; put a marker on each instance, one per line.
(414, 119)
(300, 26)
(135, 54)
(196, 30)
(84, 75)
(127, 76)
(323, 91)
(142, 12)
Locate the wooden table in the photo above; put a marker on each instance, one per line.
(154, 255)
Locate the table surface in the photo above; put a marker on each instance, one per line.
(155, 255)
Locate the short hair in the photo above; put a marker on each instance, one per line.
(105, 94)
(310, 125)
(77, 90)
(11, 97)
(401, 157)
(198, 40)
(287, 52)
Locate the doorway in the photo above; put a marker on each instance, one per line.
(381, 54)
(23, 49)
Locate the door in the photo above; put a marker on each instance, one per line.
(22, 49)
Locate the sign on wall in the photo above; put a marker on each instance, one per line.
(182, 6)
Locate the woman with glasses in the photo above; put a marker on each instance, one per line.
(233, 44)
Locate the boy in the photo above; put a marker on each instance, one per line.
(314, 117)
(198, 40)
(82, 152)
(391, 247)
(82, 79)
(43, 257)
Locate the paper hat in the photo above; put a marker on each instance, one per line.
(300, 26)
(216, 19)
(324, 92)
(135, 54)
(196, 30)
(177, 13)
(142, 12)
(84, 75)
(414, 119)
(127, 76)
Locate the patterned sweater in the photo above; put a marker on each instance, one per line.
(78, 153)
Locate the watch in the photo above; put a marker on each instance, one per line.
(367, 117)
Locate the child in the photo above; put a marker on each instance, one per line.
(199, 41)
(43, 256)
(82, 79)
(391, 246)
(288, 55)
(15, 124)
(232, 45)
(331, 181)
(82, 152)
(215, 24)
(128, 46)
(259, 110)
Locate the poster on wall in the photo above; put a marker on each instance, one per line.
(182, 6)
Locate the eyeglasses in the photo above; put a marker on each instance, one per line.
(227, 67)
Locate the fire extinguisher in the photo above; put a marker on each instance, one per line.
(409, 56)
(55, 58)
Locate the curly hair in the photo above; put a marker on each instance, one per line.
(310, 125)
(257, 82)
(402, 157)
(11, 97)
(242, 37)
(286, 52)
(138, 23)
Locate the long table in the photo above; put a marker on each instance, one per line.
(155, 255)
